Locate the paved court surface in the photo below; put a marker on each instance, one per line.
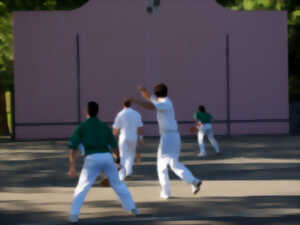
(255, 181)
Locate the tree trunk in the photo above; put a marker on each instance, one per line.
(3, 115)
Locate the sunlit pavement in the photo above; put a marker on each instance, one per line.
(255, 181)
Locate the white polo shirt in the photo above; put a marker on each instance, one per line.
(128, 121)
(165, 114)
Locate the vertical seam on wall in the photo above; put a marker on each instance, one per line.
(228, 118)
(78, 77)
(13, 110)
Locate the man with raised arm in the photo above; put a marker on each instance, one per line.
(170, 143)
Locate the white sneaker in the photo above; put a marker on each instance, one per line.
(164, 196)
(122, 175)
(134, 212)
(73, 218)
(201, 154)
(196, 186)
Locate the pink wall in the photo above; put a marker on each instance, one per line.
(121, 46)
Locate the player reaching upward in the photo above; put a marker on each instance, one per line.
(170, 143)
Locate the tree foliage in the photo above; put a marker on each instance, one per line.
(292, 6)
(6, 37)
(14, 5)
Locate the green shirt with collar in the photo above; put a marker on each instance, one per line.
(95, 136)
(203, 117)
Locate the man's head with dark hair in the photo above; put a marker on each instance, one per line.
(201, 108)
(161, 90)
(92, 108)
(127, 103)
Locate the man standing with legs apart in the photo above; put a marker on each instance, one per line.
(96, 138)
(203, 124)
(170, 143)
(128, 123)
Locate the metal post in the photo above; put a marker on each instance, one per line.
(78, 77)
(13, 112)
(228, 119)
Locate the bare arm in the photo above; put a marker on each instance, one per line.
(146, 95)
(72, 160)
(144, 92)
(144, 104)
(116, 154)
(198, 123)
(116, 132)
(140, 131)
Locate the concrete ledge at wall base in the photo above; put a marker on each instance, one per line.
(151, 130)
(150, 138)
(91, 56)
(4, 139)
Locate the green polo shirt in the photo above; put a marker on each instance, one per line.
(203, 117)
(95, 136)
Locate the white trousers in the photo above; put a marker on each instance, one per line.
(206, 129)
(168, 155)
(127, 155)
(93, 165)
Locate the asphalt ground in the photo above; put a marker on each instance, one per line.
(255, 181)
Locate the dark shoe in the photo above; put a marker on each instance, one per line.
(134, 212)
(196, 186)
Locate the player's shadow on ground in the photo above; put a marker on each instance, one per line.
(53, 173)
(174, 210)
(193, 209)
(43, 164)
(250, 147)
(17, 217)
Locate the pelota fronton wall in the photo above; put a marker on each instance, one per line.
(233, 62)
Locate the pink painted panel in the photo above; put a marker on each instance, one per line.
(258, 56)
(150, 130)
(219, 129)
(45, 68)
(121, 46)
(188, 49)
(44, 132)
(113, 57)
